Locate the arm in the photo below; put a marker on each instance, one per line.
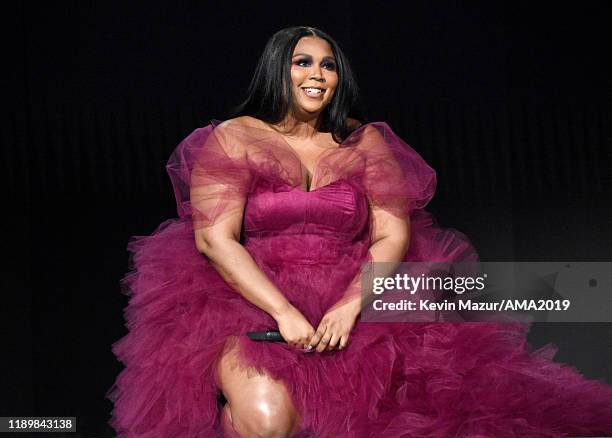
(390, 240)
(387, 183)
(219, 184)
(220, 243)
(218, 188)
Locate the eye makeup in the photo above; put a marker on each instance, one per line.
(327, 63)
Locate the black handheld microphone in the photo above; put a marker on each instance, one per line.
(270, 335)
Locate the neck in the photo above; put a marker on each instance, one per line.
(300, 126)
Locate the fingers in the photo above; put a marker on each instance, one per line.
(333, 342)
(338, 342)
(343, 342)
(316, 338)
(302, 343)
(324, 342)
(325, 339)
(321, 338)
(306, 343)
(299, 342)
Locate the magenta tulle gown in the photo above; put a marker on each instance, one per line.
(419, 379)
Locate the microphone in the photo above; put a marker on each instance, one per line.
(269, 335)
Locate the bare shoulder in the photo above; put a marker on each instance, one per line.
(232, 134)
(242, 121)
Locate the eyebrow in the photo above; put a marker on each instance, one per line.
(306, 54)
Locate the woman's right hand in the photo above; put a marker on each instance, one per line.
(294, 327)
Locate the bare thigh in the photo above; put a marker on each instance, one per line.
(257, 405)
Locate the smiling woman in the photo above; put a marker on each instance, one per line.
(281, 208)
(313, 74)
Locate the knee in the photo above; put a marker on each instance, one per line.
(265, 420)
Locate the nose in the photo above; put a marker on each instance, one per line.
(317, 73)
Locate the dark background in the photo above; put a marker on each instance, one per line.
(509, 101)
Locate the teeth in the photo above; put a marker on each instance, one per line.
(313, 90)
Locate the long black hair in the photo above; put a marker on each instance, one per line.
(270, 97)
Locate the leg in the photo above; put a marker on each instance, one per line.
(226, 423)
(257, 405)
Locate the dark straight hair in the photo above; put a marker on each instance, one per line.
(269, 94)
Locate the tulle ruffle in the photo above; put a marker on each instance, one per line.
(416, 379)
(393, 379)
(213, 169)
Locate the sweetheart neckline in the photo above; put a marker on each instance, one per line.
(300, 189)
(290, 148)
(319, 158)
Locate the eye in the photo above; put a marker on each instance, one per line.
(302, 62)
(330, 65)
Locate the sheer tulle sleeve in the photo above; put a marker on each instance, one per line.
(396, 178)
(210, 175)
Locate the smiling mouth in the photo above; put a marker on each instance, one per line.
(313, 91)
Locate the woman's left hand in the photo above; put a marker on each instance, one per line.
(335, 326)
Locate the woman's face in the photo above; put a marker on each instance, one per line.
(314, 75)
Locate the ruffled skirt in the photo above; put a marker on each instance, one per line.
(392, 380)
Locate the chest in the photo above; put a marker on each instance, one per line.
(338, 208)
(310, 151)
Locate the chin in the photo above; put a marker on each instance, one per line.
(311, 111)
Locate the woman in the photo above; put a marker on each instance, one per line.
(280, 210)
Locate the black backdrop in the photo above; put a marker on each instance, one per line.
(509, 101)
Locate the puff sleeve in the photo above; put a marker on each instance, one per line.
(210, 175)
(395, 178)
